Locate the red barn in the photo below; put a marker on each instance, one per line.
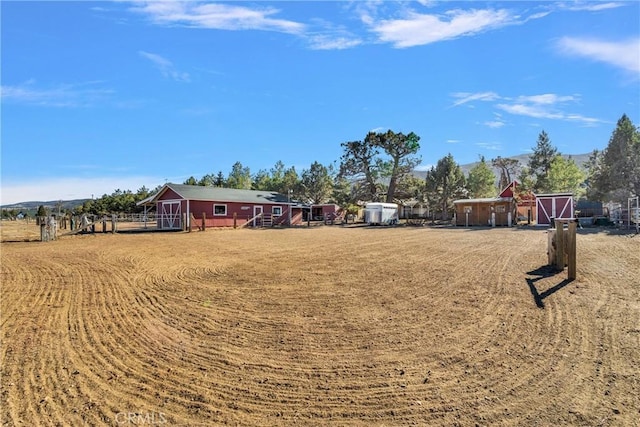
(525, 200)
(558, 206)
(177, 203)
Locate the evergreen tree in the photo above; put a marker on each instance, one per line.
(444, 183)
(239, 177)
(540, 162)
(291, 183)
(207, 181)
(387, 155)
(220, 181)
(614, 174)
(481, 180)
(402, 151)
(262, 181)
(317, 184)
(358, 164)
(190, 181)
(565, 176)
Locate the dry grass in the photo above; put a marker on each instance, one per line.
(329, 325)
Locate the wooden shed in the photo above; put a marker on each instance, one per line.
(177, 205)
(550, 206)
(479, 212)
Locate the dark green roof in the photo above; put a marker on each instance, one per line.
(218, 194)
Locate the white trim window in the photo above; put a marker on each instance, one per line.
(276, 210)
(220, 210)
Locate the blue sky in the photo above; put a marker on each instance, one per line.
(104, 95)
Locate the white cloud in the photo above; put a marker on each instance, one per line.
(453, 141)
(165, 66)
(494, 124)
(71, 188)
(546, 99)
(494, 146)
(529, 110)
(216, 16)
(63, 95)
(591, 6)
(547, 106)
(465, 97)
(544, 106)
(330, 42)
(420, 29)
(622, 54)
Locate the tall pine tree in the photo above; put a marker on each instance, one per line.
(540, 163)
(614, 174)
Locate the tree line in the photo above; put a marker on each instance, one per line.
(381, 166)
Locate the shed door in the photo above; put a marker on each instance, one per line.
(257, 210)
(545, 208)
(553, 207)
(171, 216)
(564, 207)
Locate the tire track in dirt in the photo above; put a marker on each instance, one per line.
(327, 326)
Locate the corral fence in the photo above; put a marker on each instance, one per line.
(53, 226)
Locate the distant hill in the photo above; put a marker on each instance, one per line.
(52, 204)
(580, 159)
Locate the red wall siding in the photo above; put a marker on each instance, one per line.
(170, 195)
(243, 215)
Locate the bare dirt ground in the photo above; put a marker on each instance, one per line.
(320, 326)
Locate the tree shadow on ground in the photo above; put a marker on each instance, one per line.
(542, 273)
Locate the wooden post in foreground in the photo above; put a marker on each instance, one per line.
(571, 250)
(559, 245)
(551, 246)
(235, 220)
(204, 221)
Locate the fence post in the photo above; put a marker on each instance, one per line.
(43, 232)
(204, 221)
(559, 245)
(235, 220)
(571, 250)
(551, 249)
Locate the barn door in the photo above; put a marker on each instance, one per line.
(545, 210)
(171, 216)
(564, 207)
(257, 210)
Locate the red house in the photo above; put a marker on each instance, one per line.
(178, 205)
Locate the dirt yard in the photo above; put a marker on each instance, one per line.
(320, 326)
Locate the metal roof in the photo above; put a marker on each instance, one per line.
(485, 200)
(218, 194)
(554, 195)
